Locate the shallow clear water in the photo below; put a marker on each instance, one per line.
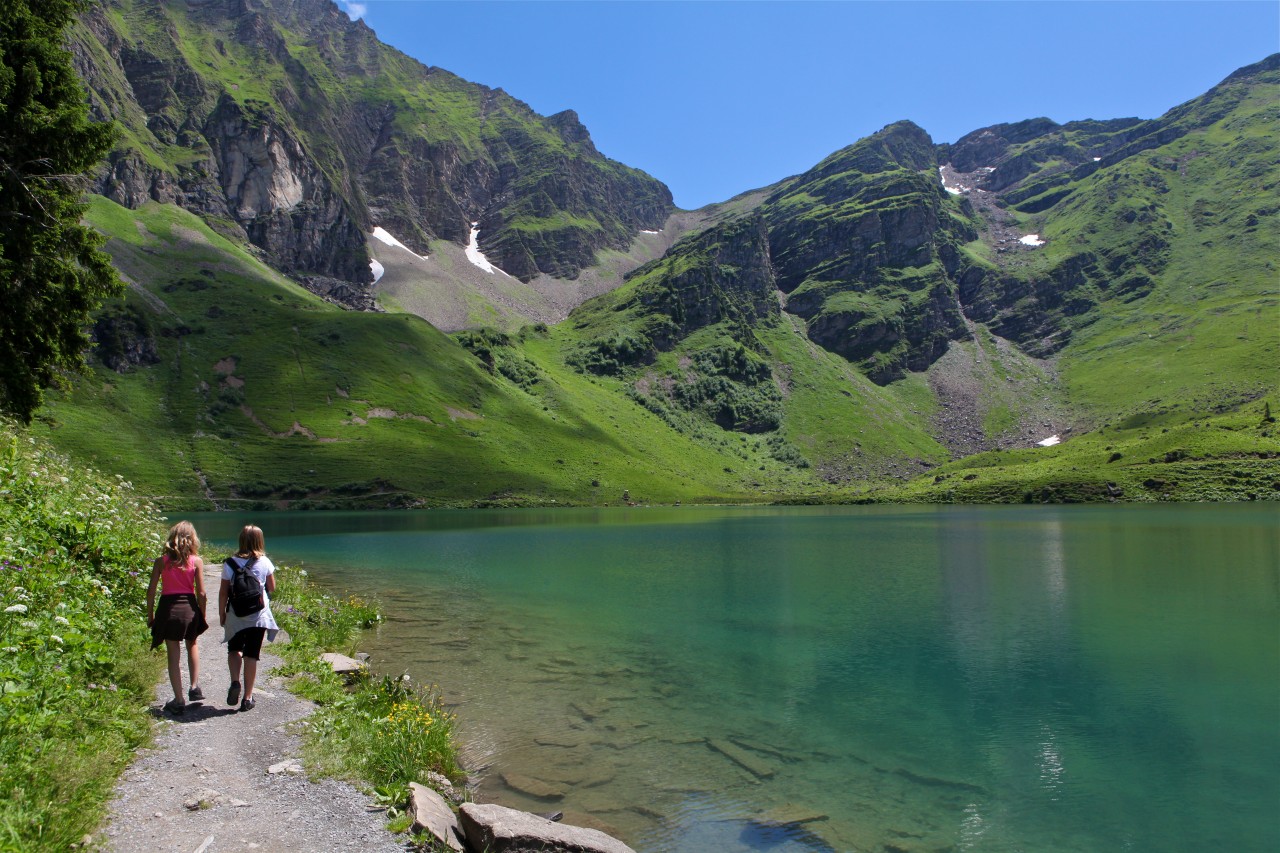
(694, 679)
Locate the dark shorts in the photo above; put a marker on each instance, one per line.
(248, 642)
(178, 618)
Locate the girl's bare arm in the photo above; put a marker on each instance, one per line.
(224, 593)
(151, 590)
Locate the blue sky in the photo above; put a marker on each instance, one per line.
(715, 98)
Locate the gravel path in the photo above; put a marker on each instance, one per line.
(215, 748)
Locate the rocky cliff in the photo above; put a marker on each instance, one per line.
(288, 126)
(866, 245)
(894, 249)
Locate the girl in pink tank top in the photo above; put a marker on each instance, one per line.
(179, 572)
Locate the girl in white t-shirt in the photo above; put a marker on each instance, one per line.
(243, 634)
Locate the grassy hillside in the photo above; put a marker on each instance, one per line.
(259, 393)
(1157, 287)
(74, 663)
(264, 394)
(1207, 335)
(1233, 456)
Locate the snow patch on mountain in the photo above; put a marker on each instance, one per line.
(382, 234)
(476, 256)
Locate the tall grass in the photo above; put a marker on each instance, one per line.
(75, 673)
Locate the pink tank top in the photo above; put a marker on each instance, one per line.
(177, 578)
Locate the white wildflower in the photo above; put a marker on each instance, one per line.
(16, 608)
(62, 620)
(13, 650)
(29, 625)
(56, 638)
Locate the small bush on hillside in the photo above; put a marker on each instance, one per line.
(609, 356)
(785, 452)
(493, 348)
(729, 385)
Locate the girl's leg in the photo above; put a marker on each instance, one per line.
(174, 648)
(193, 663)
(250, 676)
(234, 656)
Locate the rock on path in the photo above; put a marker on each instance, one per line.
(218, 759)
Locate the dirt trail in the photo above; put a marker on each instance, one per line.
(213, 747)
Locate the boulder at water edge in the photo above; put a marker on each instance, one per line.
(498, 829)
(432, 814)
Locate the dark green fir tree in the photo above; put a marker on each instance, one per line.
(52, 272)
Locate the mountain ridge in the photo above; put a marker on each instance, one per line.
(899, 308)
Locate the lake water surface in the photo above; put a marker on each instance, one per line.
(914, 679)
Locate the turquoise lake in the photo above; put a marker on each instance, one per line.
(818, 679)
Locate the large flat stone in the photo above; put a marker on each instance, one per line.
(498, 829)
(342, 664)
(432, 814)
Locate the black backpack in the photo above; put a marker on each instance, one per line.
(246, 589)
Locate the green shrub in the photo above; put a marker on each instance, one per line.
(609, 356)
(387, 732)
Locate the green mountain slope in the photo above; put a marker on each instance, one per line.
(1140, 289)
(285, 124)
(241, 388)
(1157, 282)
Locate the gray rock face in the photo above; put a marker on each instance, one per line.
(502, 830)
(304, 170)
(864, 249)
(432, 814)
(281, 198)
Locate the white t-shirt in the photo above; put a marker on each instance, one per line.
(262, 569)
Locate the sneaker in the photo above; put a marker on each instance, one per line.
(247, 705)
(195, 694)
(233, 695)
(175, 707)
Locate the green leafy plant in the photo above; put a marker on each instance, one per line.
(75, 672)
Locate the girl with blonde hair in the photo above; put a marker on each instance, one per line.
(179, 571)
